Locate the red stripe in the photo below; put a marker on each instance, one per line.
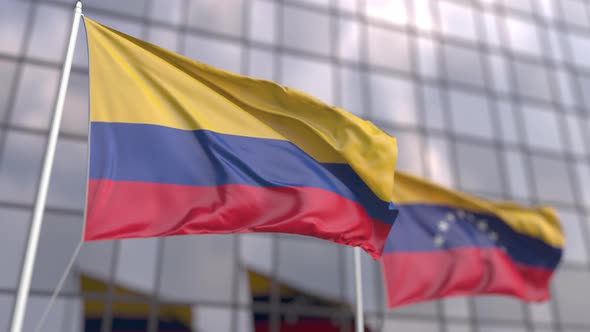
(419, 276)
(125, 209)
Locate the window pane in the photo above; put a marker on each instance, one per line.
(15, 228)
(542, 312)
(552, 180)
(260, 64)
(351, 92)
(20, 167)
(572, 291)
(479, 168)
(390, 11)
(428, 55)
(392, 325)
(433, 107)
(35, 96)
(410, 153)
(393, 100)
(523, 36)
(163, 37)
(60, 235)
(463, 65)
(349, 32)
(306, 30)
(438, 159)
(500, 80)
(6, 307)
(566, 93)
(580, 50)
(315, 78)
(169, 11)
(583, 172)
(457, 307)
(388, 49)
(136, 264)
(428, 309)
(575, 250)
(507, 121)
(51, 26)
(491, 29)
(217, 16)
(498, 307)
(75, 117)
(7, 71)
(542, 130)
(575, 12)
(576, 137)
(60, 317)
(263, 21)
(208, 276)
(12, 25)
(68, 178)
(457, 20)
(320, 261)
(490, 328)
(215, 53)
(423, 14)
(471, 114)
(522, 5)
(532, 81)
(517, 177)
(584, 82)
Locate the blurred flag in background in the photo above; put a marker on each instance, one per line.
(292, 299)
(448, 243)
(131, 316)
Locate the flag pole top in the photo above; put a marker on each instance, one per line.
(79, 7)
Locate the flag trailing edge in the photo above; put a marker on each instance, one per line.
(179, 147)
(448, 243)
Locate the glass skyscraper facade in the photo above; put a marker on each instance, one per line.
(491, 97)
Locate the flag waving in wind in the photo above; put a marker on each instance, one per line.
(179, 147)
(447, 243)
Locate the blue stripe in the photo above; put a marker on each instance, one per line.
(418, 225)
(157, 154)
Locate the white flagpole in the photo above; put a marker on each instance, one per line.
(358, 282)
(35, 230)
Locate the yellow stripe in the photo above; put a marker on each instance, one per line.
(541, 222)
(181, 313)
(136, 82)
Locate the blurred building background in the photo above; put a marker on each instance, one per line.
(487, 96)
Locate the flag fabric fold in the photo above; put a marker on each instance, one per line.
(179, 147)
(447, 243)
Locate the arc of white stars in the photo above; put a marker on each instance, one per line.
(444, 225)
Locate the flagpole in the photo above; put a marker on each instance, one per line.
(358, 282)
(35, 230)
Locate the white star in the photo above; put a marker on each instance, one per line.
(493, 236)
(461, 214)
(450, 217)
(439, 240)
(443, 226)
(482, 225)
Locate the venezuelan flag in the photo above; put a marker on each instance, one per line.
(447, 243)
(179, 147)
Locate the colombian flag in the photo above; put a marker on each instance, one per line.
(447, 243)
(132, 317)
(291, 301)
(179, 147)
